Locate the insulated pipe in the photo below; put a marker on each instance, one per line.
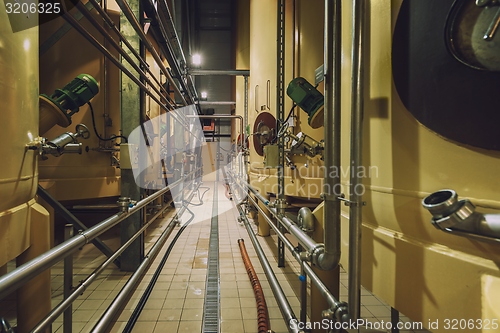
(13, 280)
(355, 194)
(332, 71)
(279, 295)
(138, 29)
(262, 312)
(79, 290)
(123, 295)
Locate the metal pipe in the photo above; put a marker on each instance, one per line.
(279, 295)
(13, 280)
(129, 287)
(303, 293)
(68, 282)
(336, 306)
(70, 298)
(77, 224)
(222, 116)
(262, 312)
(216, 102)
(355, 194)
(312, 247)
(172, 42)
(138, 29)
(115, 61)
(124, 40)
(332, 70)
(231, 72)
(459, 217)
(172, 32)
(245, 124)
(307, 242)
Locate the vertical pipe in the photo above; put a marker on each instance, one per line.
(355, 191)
(280, 116)
(245, 124)
(68, 282)
(303, 293)
(331, 187)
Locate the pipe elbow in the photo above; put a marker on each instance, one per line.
(324, 260)
(450, 214)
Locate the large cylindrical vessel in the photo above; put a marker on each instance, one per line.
(19, 126)
(24, 223)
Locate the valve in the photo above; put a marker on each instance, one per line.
(64, 143)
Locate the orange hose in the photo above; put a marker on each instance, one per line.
(262, 313)
(228, 192)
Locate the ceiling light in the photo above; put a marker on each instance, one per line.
(196, 59)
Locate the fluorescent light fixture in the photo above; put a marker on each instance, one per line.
(196, 59)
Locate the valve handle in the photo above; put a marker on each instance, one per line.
(82, 131)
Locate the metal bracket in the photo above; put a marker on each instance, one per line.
(350, 203)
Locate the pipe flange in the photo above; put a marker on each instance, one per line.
(316, 253)
(123, 203)
(465, 209)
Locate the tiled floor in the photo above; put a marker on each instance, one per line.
(176, 302)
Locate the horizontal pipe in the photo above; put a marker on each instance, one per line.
(95, 207)
(217, 102)
(307, 242)
(333, 303)
(79, 290)
(123, 295)
(22, 274)
(279, 295)
(77, 224)
(231, 72)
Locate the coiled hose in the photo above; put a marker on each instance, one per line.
(262, 313)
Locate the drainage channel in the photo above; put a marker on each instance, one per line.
(211, 313)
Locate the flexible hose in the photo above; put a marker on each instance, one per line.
(262, 313)
(228, 192)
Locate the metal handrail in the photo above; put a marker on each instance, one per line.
(22, 274)
(336, 307)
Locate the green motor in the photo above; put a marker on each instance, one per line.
(308, 99)
(76, 93)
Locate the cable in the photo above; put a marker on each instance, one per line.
(283, 127)
(95, 128)
(201, 198)
(142, 302)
